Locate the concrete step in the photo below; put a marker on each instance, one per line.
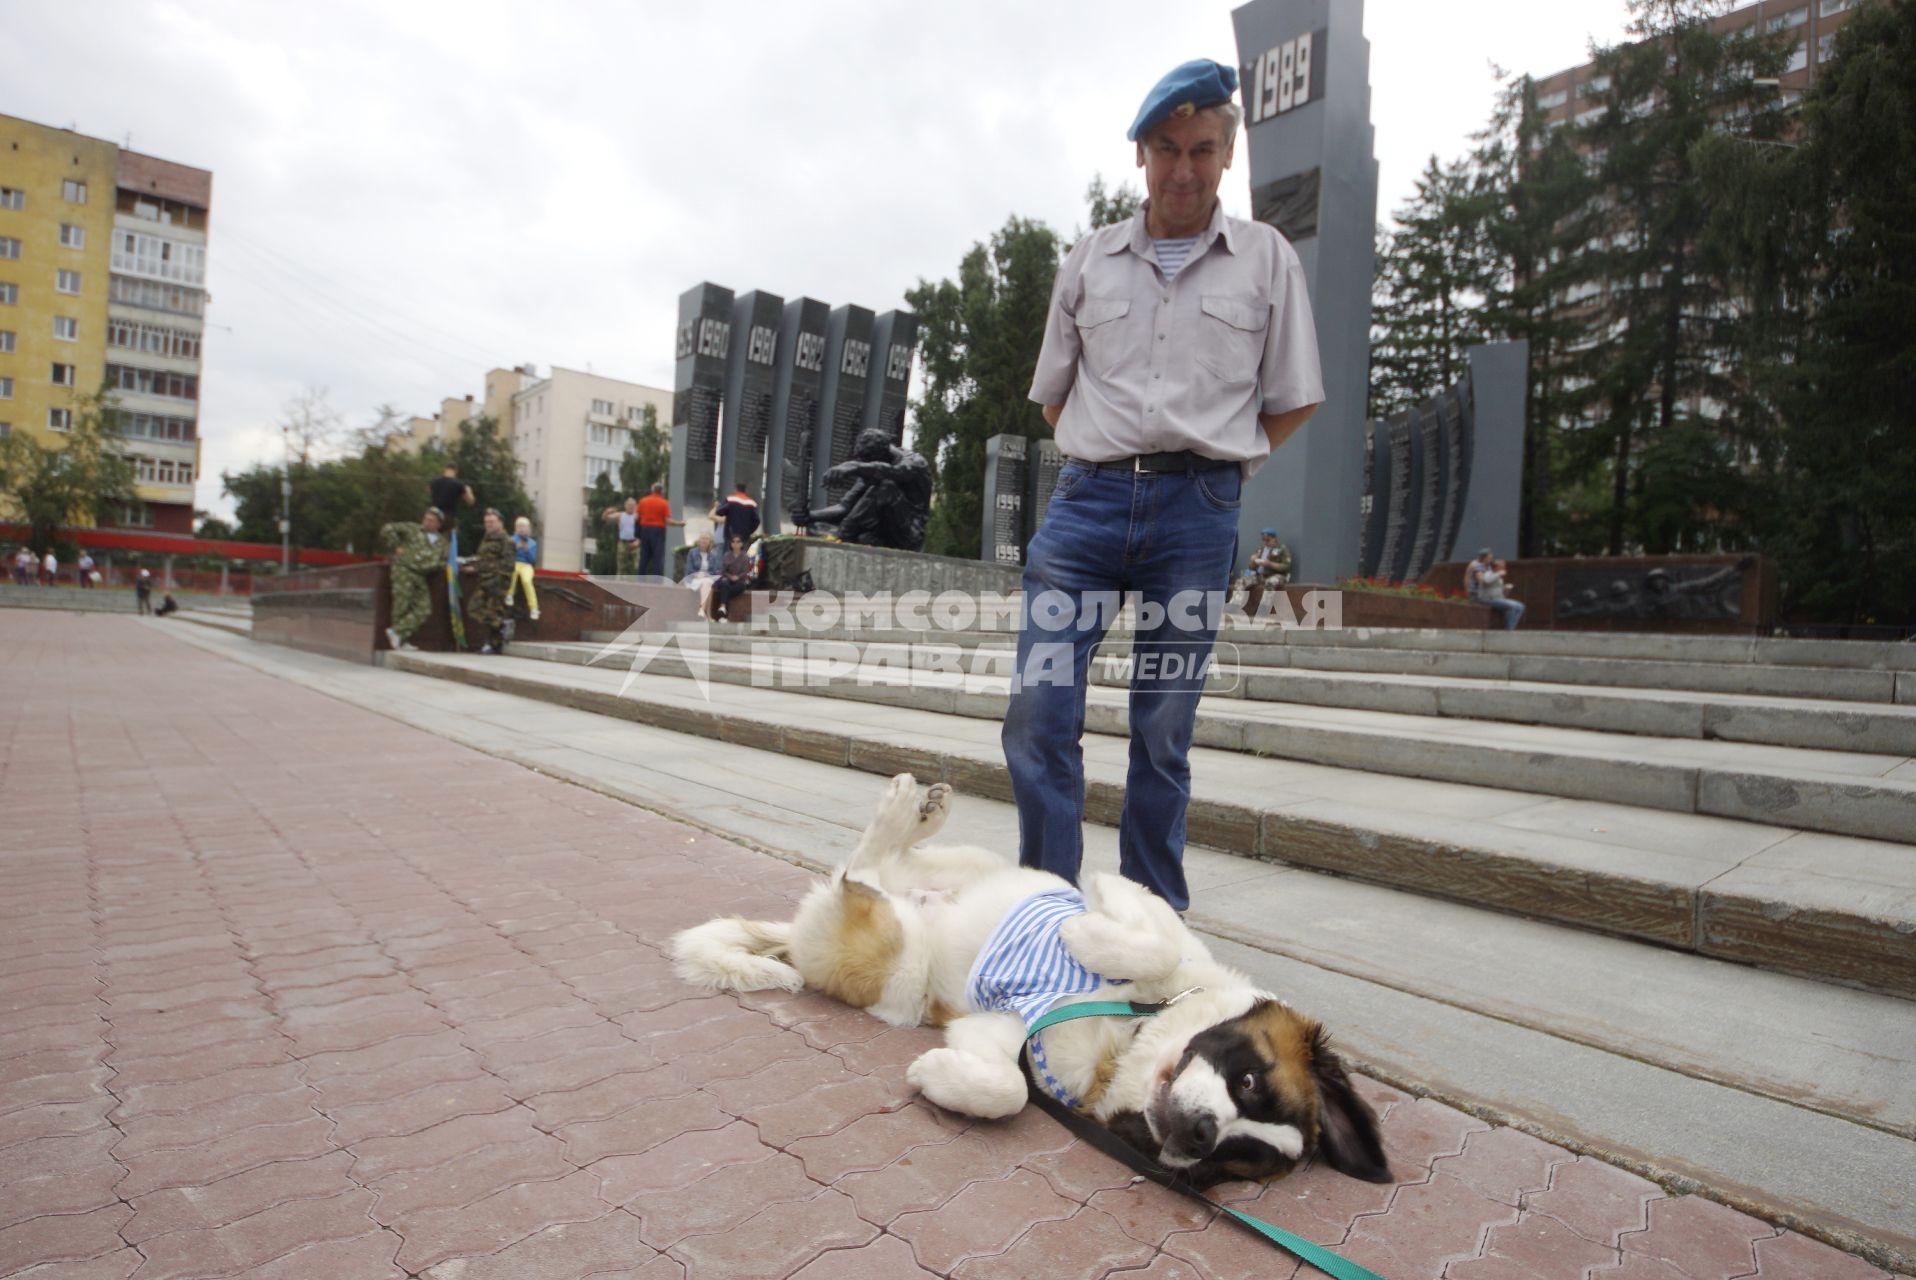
(1775, 721)
(1645, 1056)
(1854, 671)
(1840, 792)
(1823, 905)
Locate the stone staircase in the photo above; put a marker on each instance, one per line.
(1665, 914)
(1780, 848)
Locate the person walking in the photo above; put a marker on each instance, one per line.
(1179, 351)
(525, 559)
(85, 567)
(493, 578)
(143, 590)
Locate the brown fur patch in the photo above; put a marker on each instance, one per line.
(865, 950)
(1107, 1068)
(1286, 1039)
(941, 1014)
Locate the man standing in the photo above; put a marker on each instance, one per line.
(655, 513)
(49, 569)
(740, 515)
(449, 493)
(627, 518)
(1179, 352)
(85, 565)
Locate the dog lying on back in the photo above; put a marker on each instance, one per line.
(1227, 1082)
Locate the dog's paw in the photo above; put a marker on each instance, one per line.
(968, 1084)
(933, 810)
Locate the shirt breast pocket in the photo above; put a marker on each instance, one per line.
(1231, 337)
(1101, 332)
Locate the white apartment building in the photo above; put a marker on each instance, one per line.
(568, 429)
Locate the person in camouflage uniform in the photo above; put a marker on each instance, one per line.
(417, 551)
(493, 566)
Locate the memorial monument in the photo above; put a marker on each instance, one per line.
(894, 337)
(841, 394)
(887, 496)
(747, 412)
(698, 389)
(796, 371)
(1002, 539)
(1305, 76)
(1447, 473)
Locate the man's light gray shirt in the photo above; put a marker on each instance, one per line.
(1142, 366)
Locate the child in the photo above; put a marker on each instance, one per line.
(525, 554)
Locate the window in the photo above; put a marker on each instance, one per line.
(6, 340)
(6, 429)
(602, 407)
(59, 419)
(1549, 100)
(159, 258)
(1594, 113)
(1799, 57)
(14, 198)
(1827, 8)
(153, 382)
(62, 375)
(66, 328)
(596, 467)
(152, 426)
(163, 471)
(1794, 18)
(136, 515)
(66, 281)
(75, 192)
(1825, 46)
(9, 247)
(6, 388)
(71, 236)
(153, 339)
(1592, 87)
(155, 296)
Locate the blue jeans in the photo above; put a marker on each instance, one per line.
(652, 550)
(1172, 540)
(1511, 611)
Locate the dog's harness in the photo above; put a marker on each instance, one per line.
(1331, 1264)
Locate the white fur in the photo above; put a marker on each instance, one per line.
(947, 901)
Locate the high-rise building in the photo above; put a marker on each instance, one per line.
(568, 429)
(103, 284)
(1573, 96)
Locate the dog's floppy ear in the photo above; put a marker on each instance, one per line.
(1348, 1137)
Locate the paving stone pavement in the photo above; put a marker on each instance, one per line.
(290, 990)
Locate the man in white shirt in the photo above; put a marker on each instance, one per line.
(1179, 352)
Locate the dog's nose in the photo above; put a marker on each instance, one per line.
(1203, 1132)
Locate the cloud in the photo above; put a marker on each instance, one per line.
(406, 195)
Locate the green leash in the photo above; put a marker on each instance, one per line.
(1331, 1264)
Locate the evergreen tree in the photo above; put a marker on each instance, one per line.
(979, 338)
(1434, 274)
(1667, 320)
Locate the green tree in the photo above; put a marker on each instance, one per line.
(1668, 311)
(74, 483)
(1821, 238)
(979, 337)
(486, 463)
(212, 528)
(648, 456)
(1434, 275)
(1117, 204)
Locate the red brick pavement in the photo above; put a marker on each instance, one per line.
(288, 989)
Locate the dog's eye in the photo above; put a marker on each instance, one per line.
(1248, 1083)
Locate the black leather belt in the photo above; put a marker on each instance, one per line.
(1176, 460)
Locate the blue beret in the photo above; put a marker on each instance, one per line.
(1199, 83)
(1270, 533)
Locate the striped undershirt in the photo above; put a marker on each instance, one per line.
(1025, 969)
(1173, 254)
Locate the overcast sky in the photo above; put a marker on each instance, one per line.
(406, 194)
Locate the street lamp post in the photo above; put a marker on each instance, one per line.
(286, 523)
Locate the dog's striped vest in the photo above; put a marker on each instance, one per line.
(1025, 969)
